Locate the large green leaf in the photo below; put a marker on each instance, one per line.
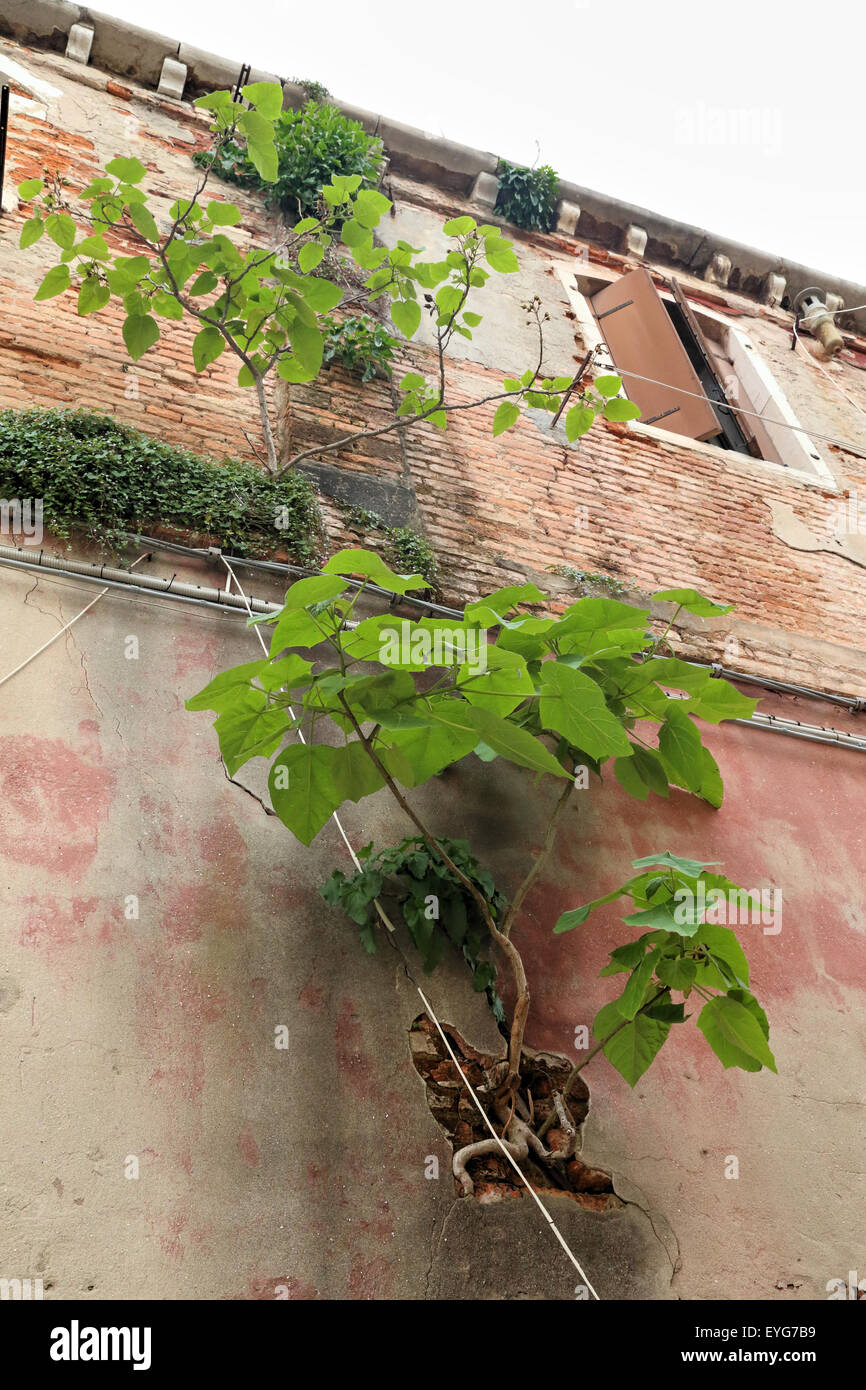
(412, 756)
(370, 566)
(318, 779)
(690, 867)
(735, 1034)
(140, 332)
(632, 996)
(249, 728)
(590, 614)
(224, 689)
(634, 1047)
(692, 601)
(573, 705)
(501, 687)
(681, 748)
(505, 738)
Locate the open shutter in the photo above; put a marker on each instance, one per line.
(710, 367)
(642, 339)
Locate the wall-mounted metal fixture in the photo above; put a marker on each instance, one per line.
(812, 312)
(4, 125)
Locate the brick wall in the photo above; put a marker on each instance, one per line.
(650, 513)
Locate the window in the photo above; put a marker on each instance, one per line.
(689, 369)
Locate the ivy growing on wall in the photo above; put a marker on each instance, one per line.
(404, 547)
(104, 477)
(313, 145)
(527, 197)
(360, 345)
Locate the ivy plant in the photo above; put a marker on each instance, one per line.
(564, 698)
(527, 197)
(361, 344)
(313, 146)
(97, 474)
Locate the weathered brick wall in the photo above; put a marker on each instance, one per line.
(650, 513)
(48, 355)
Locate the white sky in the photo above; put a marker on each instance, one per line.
(746, 119)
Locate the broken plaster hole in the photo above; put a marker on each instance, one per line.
(543, 1075)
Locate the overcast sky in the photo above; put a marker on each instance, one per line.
(746, 119)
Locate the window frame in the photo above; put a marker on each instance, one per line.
(807, 466)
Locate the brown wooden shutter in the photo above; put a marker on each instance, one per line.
(643, 340)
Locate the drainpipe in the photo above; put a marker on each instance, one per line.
(815, 316)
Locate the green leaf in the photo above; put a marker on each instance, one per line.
(507, 414)
(608, 385)
(319, 588)
(32, 230)
(690, 867)
(140, 332)
(415, 755)
(722, 942)
(593, 614)
(321, 295)
(406, 316)
(693, 602)
(505, 738)
(266, 97)
(717, 699)
(681, 748)
(30, 189)
(629, 778)
(735, 1034)
(711, 788)
(248, 727)
(634, 1047)
(142, 220)
(61, 228)
(412, 382)
(620, 409)
(632, 996)
(370, 206)
(369, 566)
(56, 281)
(207, 345)
(573, 705)
(310, 255)
(500, 688)
(223, 214)
(260, 144)
(319, 779)
(578, 421)
(126, 170)
(490, 611)
(459, 226)
(676, 972)
(165, 304)
(500, 255)
(92, 296)
(223, 690)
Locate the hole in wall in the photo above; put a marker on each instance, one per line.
(543, 1074)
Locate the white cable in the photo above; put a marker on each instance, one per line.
(429, 1007)
(60, 631)
(532, 1192)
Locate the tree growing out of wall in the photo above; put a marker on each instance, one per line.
(558, 697)
(268, 305)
